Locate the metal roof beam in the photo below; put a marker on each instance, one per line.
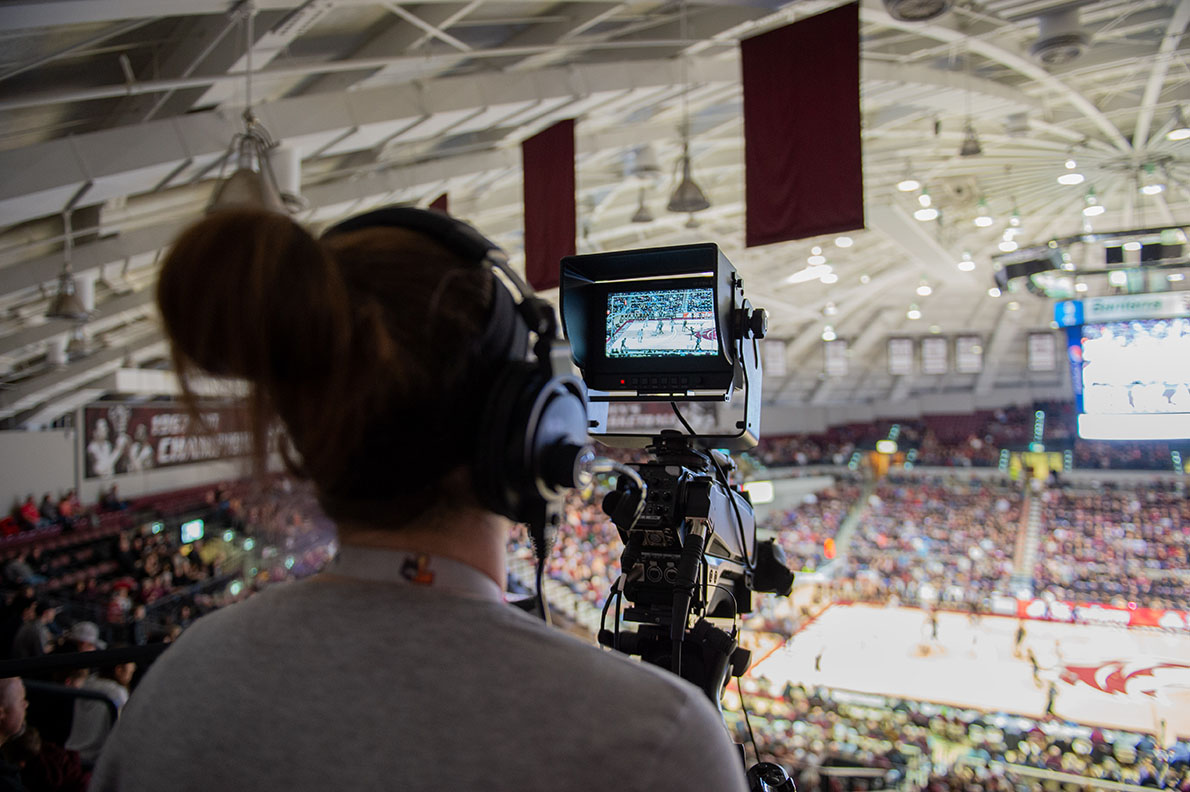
(40, 179)
(29, 393)
(47, 330)
(24, 14)
(1161, 64)
(396, 39)
(871, 11)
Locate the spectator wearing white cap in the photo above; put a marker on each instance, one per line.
(84, 637)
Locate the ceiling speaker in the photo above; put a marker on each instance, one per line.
(917, 10)
(1060, 38)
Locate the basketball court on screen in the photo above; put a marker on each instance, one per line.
(676, 336)
(1106, 676)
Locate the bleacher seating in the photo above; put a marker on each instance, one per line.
(1125, 545)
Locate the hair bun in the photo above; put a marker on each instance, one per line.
(249, 293)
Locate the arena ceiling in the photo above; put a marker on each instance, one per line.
(122, 110)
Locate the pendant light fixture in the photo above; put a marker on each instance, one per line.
(642, 214)
(1150, 182)
(970, 146)
(79, 346)
(908, 183)
(983, 217)
(687, 197)
(253, 183)
(66, 303)
(1179, 129)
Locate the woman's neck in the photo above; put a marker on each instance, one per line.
(475, 537)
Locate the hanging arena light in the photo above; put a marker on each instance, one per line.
(642, 214)
(254, 181)
(971, 146)
(66, 303)
(687, 197)
(1179, 129)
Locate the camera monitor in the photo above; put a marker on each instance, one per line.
(652, 324)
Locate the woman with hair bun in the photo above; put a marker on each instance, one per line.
(400, 666)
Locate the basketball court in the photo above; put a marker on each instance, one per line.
(685, 335)
(1107, 676)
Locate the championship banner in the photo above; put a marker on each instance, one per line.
(126, 438)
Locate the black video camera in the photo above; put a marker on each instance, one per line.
(672, 325)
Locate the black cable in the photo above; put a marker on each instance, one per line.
(739, 682)
(542, 606)
(616, 635)
(735, 617)
(607, 603)
(689, 429)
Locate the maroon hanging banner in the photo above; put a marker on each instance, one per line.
(548, 163)
(803, 168)
(441, 203)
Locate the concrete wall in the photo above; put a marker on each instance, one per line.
(35, 463)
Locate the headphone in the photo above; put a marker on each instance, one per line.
(531, 445)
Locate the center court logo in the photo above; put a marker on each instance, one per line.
(1128, 678)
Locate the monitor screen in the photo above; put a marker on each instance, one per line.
(1135, 379)
(192, 531)
(661, 323)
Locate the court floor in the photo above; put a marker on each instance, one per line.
(667, 335)
(1109, 676)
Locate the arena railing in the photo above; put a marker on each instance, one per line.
(1042, 774)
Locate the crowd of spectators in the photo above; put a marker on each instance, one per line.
(919, 745)
(833, 447)
(929, 539)
(1116, 546)
(586, 554)
(803, 530)
(973, 440)
(947, 540)
(31, 514)
(139, 583)
(1128, 455)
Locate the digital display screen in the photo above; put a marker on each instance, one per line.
(1142, 366)
(192, 531)
(662, 323)
(1135, 379)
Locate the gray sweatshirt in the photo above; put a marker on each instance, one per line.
(346, 684)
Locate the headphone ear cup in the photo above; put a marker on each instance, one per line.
(529, 416)
(498, 436)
